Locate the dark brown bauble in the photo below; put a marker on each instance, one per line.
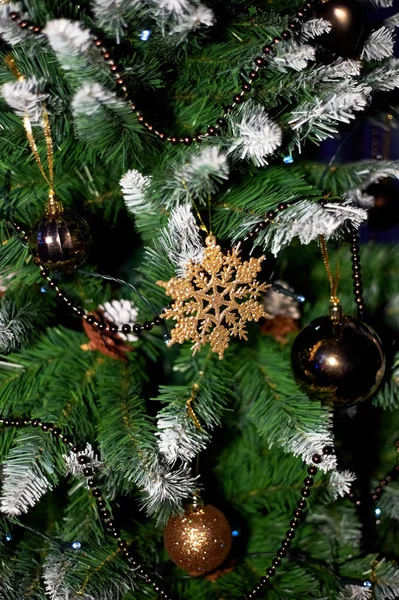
(62, 241)
(338, 362)
(199, 540)
(348, 31)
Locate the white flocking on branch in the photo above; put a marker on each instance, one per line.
(254, 135)
(379, 45)
(25, 98)
(133, 185)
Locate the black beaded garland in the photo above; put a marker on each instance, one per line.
(122, 544)
(357, 279)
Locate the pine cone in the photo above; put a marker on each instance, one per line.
(121, 312)
(277, 304)
(108, 343)
(280, 327)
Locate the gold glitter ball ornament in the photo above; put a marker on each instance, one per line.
(215, 298)
(199, 540)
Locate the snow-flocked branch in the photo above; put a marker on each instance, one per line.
(165, 489)
(360, 198)
(254, 135)
(308, 443)
(181, 239)
(68, 39)
(111, 14)
(91, 97)
(9, 29)
(321, 116)
(55, 571)
(196, 179)
(379, 44)
(181, 17)
(294, 56)
(25, 98)
(392, 22)
(306, 221)
(178, 438)
(385, 78)
(355, 592)
(386, 586)
(133, 185)
(381, 3)
(200, 16)
(313, 28)
(340, 483)
(24, 480)
(74, 467)
(15, 326)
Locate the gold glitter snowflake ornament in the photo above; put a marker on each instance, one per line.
(215, 298)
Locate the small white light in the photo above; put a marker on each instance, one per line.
(377, 512)
(332, 361)
(145, 35)
(48, 239)
(76, 545)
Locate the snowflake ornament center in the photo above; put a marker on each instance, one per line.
(215, 299)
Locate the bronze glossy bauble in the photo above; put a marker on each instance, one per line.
(338, 362)
(62, 241)
(348, 32)
(199, 540)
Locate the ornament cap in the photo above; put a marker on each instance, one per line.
(210, 240)
(196, 505)
(54, 207)
(336, 312)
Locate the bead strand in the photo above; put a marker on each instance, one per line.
(298, 514)
(110, 527)
(125, 328)
(270, 216)
(221, 123)
(389, 477)
(88, 471)
(356, 274)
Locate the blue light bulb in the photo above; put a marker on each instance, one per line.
(235, 533)
(288, 160)
(76, 545)
(8, 537)
(144, 35)
(367, 584)
(377, 512)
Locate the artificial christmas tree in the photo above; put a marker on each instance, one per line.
(182, 134)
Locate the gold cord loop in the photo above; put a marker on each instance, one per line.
(190, 410)
(332, 280)
(53, 206)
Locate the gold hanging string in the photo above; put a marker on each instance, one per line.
(49, 178)
(387, 139)
(332, 280)
(49, 146)
(210, 215)
(190, 410)
(203, 227)
(33, 146)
